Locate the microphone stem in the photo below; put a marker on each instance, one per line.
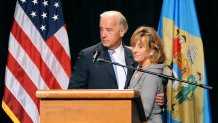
(157, 74)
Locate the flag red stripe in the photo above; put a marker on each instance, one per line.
(60, 54)
(18, 111)
(35, 56)
(22, 78)
(33, 63)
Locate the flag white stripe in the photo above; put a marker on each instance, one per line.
(21, 95)
(40, 44)
(61, 36)
(28, 66)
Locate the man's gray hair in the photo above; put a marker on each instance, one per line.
(122, 20)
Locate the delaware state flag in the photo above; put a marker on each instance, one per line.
(179, 30)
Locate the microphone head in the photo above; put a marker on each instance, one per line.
(95, 56)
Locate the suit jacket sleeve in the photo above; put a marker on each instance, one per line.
(80, 73)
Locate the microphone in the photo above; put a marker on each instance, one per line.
(95, 56)
(157, 74)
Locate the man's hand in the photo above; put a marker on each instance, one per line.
(159, 99)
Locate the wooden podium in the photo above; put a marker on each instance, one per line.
(90, 106)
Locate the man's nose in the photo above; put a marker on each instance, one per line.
(103, 34)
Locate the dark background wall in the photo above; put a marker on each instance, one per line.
(82, 17)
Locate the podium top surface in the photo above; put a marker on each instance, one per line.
(87, 94)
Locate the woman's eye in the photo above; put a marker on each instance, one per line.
(140, 46)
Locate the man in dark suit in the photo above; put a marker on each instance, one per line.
(97, 75)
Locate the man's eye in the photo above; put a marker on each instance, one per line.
(109, 30)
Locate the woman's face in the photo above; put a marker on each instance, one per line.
(140, 53)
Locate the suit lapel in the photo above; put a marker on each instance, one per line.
(135, 79)
(129, 62)
(109, 67)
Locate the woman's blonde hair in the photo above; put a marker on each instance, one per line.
(151, 41)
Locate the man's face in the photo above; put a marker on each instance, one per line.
(110, 32)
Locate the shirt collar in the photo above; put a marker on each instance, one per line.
(119, 49)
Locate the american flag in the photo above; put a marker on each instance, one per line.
(38, 57)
